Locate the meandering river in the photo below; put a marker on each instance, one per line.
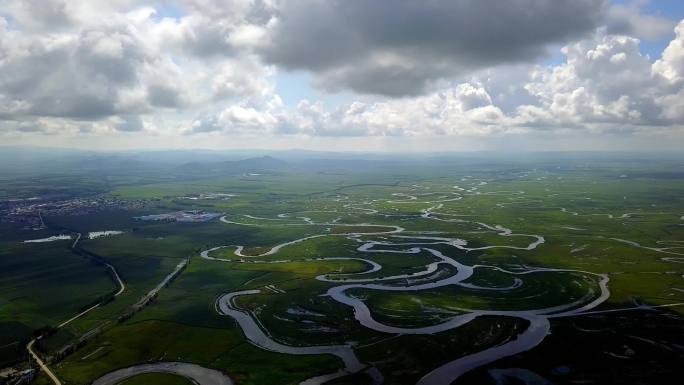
(403, 243)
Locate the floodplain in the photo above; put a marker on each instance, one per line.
(448, 271)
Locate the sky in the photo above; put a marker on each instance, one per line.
(343, 75)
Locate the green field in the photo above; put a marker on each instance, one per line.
(563, 242)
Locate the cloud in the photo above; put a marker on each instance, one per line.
(40, 14)
(670, 66)
(604, 85)
(130, 124)
(605, 79)
(208, 68)
(265, 114)
(629, 19)
(465, 109)
(118, 58)
(80, 75)
(397, 47)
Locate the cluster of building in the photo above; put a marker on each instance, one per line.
(209, 196)
(181, 216)
(11, 376)
(29, 212)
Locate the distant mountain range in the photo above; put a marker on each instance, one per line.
(262, 164)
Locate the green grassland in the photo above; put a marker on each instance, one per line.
(156, 378)
(578, 209)
(182, 325)
(43, 285)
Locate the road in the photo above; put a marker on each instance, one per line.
(41, 364)
(78, 238)
(29, 347)
(122, 287)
